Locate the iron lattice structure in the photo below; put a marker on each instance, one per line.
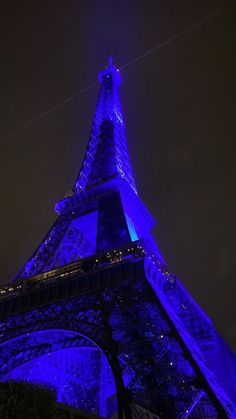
(96, 314)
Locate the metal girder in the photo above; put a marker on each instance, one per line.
(127, 322)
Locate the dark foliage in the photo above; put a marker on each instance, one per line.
(20, 400)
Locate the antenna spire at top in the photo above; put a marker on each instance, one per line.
(111, 70)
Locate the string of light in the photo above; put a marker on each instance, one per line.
(133, 61)
(172, 38)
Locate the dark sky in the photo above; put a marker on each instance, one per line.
(179, 107)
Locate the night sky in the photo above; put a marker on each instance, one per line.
(179, 106)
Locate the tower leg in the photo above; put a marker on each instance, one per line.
(124, 411)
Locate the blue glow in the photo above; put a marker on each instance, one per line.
(131, 228)
(80, 376)
(65, 243)
(107, 153)
(162, 346)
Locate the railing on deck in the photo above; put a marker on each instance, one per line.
(83, 266)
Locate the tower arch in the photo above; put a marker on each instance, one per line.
(70, 364)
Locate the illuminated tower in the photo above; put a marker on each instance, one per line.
(97, 314)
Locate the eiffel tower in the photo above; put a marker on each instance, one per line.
(97, 315)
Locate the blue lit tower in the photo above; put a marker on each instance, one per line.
(96, 314)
